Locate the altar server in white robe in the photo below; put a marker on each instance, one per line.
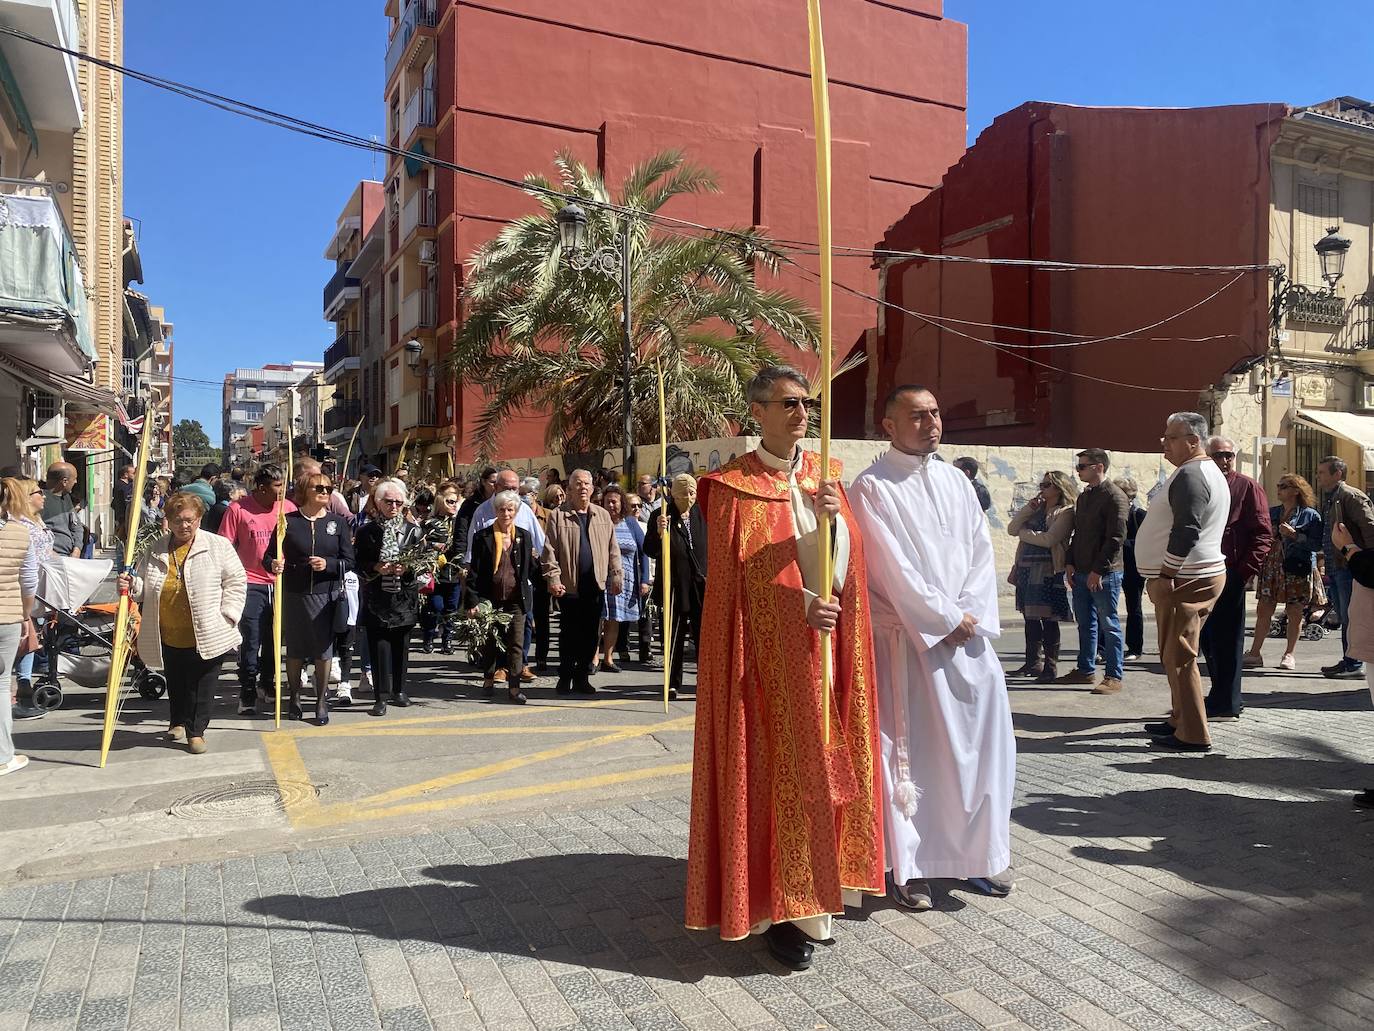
(948, 749)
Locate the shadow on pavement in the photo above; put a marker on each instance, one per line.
(1335, 701)
(613, 911)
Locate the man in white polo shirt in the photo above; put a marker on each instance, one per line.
(1178, 551)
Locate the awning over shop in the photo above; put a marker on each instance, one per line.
(1358, 429)
(72, 389)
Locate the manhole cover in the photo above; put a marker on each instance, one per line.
(242, 801)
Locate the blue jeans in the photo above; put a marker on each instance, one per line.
(1094, 610)
(1342, 584)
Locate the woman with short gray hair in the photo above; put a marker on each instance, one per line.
(391, 593)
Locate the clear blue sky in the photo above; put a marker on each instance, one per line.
(235, 215)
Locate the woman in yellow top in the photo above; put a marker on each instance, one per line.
(191, 587)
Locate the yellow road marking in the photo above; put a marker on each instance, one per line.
(344, 729)
(287, 765)
(450, 780)
(349, 814)
(584, 728)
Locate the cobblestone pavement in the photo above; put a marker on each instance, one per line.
(1153, 891)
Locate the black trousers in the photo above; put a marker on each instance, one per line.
(1222, 644)
(190, 688)
(257, 663)
(579, 634)
(541, 621)
(388, 648)
(684, 623)
(1132, 589)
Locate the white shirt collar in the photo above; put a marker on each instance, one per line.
(784, 465)
(906, 461)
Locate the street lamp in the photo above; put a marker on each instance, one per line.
(612, 263)
(413, 349)
(1331, 250)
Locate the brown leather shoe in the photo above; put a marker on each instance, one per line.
(1075, 677)
(526, 675)
(500, 676)
(1109, 685)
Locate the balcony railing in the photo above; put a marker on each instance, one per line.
(419, 112)
(418, 311)
(342, 415)
(129, 380)
(417, 409)
(417, 14)
(421, 211)
(346, 346)
(338, 283)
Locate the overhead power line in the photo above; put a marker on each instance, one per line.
(291, 123)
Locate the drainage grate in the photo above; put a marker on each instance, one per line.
(242, 801)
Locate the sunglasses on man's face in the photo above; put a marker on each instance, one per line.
(1084, 465)
(1228, 456)
(791, 404)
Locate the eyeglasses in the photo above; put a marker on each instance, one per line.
(1046, 485)
(390, 501)
(1287, 486)
(36, 493)
(321, 488)
(791, 404)
(1229, 456)
(1084, 465)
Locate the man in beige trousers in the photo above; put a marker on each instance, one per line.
(1178, 552)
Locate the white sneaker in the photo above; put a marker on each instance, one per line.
(17, 763)
(364, 683)
(1252, 661)
(344, 696)
(335, 672)
(1288, 662)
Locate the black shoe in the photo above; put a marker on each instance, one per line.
(584, 686)
(1161, 729)
(672, 694)
(609, 667)
(27, 712)
(541, 667)
(294, 712)
(516, 696)
(789, 946)
(446, 648)
(1365, 799)
(378, 708)
(1335, 667)
(400, 699)
(427, 647)
(1173, 744)
(563, 687)
(322, 713)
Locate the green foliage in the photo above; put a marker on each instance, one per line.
(188, 438)
(484, 627)
(539, 336)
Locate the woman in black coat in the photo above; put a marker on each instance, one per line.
(687, 535)
(390, 593)
(503, 581)
(317, 551)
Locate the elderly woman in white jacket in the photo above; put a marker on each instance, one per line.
(191, 587)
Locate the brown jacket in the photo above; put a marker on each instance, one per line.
(1348, 505)
(1055, 536)
(563, 543)
(1099, 529)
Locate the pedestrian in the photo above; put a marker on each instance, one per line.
(527, 520)
(645, 627)
(949, 753)
(191, 589)
(1360, 562)
(18, 587)
(226, 493)
(391, 593)
(368, 478)
(204, 486)
(438, 533)
(581, 561)
(1178, 551)
(28, 499)
(529, 492)
(1132, 583)
(1343, 504)
(59, 514)
(551, 499)
(1094, 573)
(462, 527)
(1290, 576)
(622, 606)
(1245, 543)
(316, 551)
(1043, 527)
(686, 531)
(502, 556)
(249, 525)
(969, 467)
(786, 830)
(122, 497)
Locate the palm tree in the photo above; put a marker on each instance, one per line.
(539, 336)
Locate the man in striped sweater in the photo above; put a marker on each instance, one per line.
(1178, 552)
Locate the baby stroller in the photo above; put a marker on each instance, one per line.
(1317, 620)
(78, 635)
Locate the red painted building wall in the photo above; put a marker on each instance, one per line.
(1090, 185)
(726, 82)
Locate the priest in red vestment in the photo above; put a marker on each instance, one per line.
(785, 831)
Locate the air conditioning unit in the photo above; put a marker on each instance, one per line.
(429, 252)
(45, 424)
